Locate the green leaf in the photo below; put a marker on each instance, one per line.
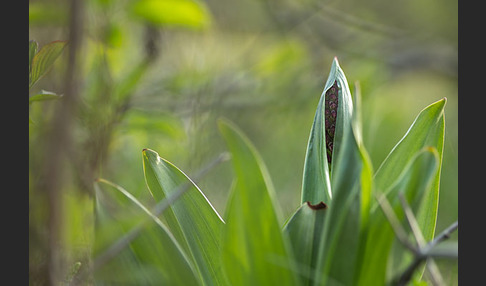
(427, 130)
(33, 46)
(316, 186)
(153, 257)
(347, 217)
(43, 96)
(414, 183)
(44, 59)
(192, 219)
(167, 13)
(254, 251)
(304, 230)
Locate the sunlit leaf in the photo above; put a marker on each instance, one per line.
(254, 251)
(192, 219)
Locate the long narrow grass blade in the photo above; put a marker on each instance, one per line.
(153, 254)
(414, 183)
(304, 230)
(192, 219)
(427, 130)
(254, 251)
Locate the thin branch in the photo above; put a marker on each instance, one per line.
(424, 253)
(445, 234)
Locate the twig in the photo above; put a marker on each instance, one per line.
(424, 253)
(445, 234)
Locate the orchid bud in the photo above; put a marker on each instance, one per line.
(330, 114)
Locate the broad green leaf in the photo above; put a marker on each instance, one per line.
(33, 46)
(427, 130)
(192, 219)
(44, 59)
(346, 220)
(414, 183)
(304, 230)
(43, 96)
(316, 185)
(254, 250)
(178, 13)
(153, 257)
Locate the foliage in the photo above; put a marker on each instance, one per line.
(40, 62)
(159, 74)
(339, 236)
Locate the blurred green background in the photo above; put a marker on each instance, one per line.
(158, 74)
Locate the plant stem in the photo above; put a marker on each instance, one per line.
(57, 147)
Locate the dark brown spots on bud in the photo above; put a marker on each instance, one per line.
(318, 206)
(330, 115)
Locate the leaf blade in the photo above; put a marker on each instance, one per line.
(149, 250)
(346, 220)
(304, 229)
(43, 60)
(44, 96)
(428, 129)
(192, 219)
(414, 183)
(33, 46)
(254, 251)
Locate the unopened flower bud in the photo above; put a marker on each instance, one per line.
(331, 106)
